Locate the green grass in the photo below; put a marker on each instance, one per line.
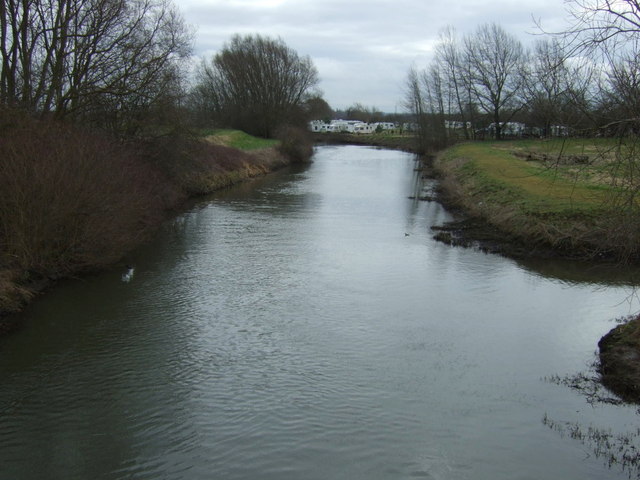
(579, 196)
(237, 139)
(535, 187)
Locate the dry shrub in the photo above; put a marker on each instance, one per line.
(12, 294)
(296, 143)
(270, 158)
(200, 167)
(71, 200)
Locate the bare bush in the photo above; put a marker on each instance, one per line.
(72, 200)
(295, 143)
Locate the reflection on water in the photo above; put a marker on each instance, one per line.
(579, 273)
(307, 326)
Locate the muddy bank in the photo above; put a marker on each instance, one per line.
(478, 233)
(481, 235)
(620, 360)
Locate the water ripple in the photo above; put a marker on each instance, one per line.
(294, 331)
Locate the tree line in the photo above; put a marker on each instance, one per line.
(584, 78)
(120, 64)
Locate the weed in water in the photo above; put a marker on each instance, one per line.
(622, 450)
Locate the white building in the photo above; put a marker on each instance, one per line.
(342, 126)
(508, 129)
(386, 125)
(456, 125)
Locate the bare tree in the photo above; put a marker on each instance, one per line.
(495, 61)
(448, 57)
(546, 82)
(623, 92)
(256, 84)
(597, 23)
(414, 103)
(423, 99)
(87, 58)
(559, 90)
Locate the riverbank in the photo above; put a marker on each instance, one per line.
(405, 142)
(549, 199)
(620, 360)
(536, 198)
(75, 202)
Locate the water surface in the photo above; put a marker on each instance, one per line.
(306, 326)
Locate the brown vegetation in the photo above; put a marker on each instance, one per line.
(72, 200)
(75, 201)
(295, 143)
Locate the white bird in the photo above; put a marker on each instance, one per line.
(128, 275)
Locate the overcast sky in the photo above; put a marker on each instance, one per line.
(362, 48)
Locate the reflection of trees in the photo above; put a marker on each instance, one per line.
(582, 272)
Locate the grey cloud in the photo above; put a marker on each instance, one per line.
(364, 46)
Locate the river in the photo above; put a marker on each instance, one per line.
(307, 326)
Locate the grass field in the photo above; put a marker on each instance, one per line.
(542, 176)
(574, 193)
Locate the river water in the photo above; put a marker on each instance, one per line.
(306, 326)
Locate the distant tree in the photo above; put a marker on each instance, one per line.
(620, 93)
(558, 89)
(316, 108)
(428, 123)
(495, 61)
(546, 83)
(360, 112)
(256, 84)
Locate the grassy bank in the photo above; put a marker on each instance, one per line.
(75, 201)
(562, 195)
